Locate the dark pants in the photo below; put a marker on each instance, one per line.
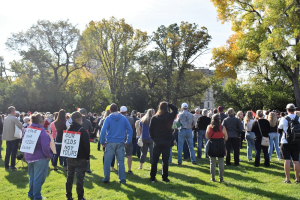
(113, 160)
(134, 146)
(0, 145)
(186, 151)
(11, 153)
(242, 138)
(259, 147)
(235, 144)
(62, 160)
(80, 165)
(161, 147)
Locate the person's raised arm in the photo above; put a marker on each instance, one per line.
(207, 132)
(173, 108)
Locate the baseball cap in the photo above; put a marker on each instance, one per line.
(220, 109)
(184, 105)
(290, 106)
(123, 109)
(82, 111)
(133, 112)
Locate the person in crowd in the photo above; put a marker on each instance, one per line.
(26, 122)
(22, 118)
(138, 135)
(216, 133)
(161, 133)
(87, 125)
(38, 162)
(215, 111)
(8, 134)
(134, 140)
(221, 113)
(1, 131)
(248, 122)
(234, 128)
(81, 161)
(147, 141)
(274, 136)
(261, 128)
(289, 150)
(99, 125)
(202, 124)
(185, 133)
(174, 135)
(266, 114)
(52, 126)
(47, 124)
(240, 116)
(129, 147)
(107, 113)
(112, 137)
(60, 126)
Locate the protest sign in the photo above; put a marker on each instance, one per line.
(30, 139)
(70, 144)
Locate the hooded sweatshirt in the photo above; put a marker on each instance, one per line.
(114, 129)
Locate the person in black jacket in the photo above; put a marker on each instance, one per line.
(202, 124)
(81, 162)
(261, 128)
(161, 133)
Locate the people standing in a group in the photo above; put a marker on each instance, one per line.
(112, 137)
(240, 116)
(261, 128)
(87, 125)
(274, 136)
(79, 163)
(234, 128)
(248, 122)
(147, 141)
(38, 162)
(202, 124)
(60, 126)
(161, 133)
(221, 113)
(289, 149)
(217, 135)
(185, 133)
(129, 147)
(8, 134)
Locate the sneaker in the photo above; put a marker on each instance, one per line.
(70, 198)
(152, 180)
(89, 172)
(129, 172)
(194, 163)
(250, 160)
(81, 198)
(122, 182)
(221, 180)
(179, 164)
(213, 180)
(297, 181)
(288, 182)
(166, 180)
(140, 168)
(13, 168)
(279, 159)
(105, 181)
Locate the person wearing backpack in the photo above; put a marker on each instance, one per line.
(290, 142)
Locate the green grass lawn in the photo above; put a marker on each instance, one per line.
(187, 182)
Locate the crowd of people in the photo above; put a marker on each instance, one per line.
(125, 135)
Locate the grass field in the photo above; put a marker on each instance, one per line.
(187, 182)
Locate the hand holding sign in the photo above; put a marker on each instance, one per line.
(70, 144)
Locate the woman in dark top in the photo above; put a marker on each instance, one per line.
(1, 129)
(60, 125)
(263, 125)
(160, 130)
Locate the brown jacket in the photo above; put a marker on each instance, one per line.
(9, 127)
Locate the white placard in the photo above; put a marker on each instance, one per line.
(30, 139)
(70, 144)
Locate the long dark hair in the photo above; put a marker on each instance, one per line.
(216, 122)
(60, 121)
(162, 108)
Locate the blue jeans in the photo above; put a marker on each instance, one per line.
(170, 157)
(62, 160)
(274, 137)
(201, 136)
(112, 149)
(185, 134)
(37, 175)
(250, 144)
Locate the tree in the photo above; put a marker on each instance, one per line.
(180, 46)
(114, 44)
(268, 34)
(49, 46)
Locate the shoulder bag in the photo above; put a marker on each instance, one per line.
(216, 147)
(264, 140)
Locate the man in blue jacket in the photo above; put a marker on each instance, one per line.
(112, 137)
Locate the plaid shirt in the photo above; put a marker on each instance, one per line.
(186, 119)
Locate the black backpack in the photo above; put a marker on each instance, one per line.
(293, 131)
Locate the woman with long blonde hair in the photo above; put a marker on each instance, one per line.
(240, 116)
(147, 141)
(274, 136)
(248, 122)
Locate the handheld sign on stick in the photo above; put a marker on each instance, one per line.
(70, 144)
(30, 139)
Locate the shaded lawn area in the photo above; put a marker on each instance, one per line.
(187, 181)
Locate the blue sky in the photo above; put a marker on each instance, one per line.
(146, 15)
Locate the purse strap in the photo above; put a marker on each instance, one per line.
(259, 128)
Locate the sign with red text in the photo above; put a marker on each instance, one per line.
(70, 144)
(30, 139)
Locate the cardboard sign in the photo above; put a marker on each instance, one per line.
(30, 139)
(70, 144)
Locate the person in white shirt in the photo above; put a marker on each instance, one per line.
(248, 122)
(288, 150)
